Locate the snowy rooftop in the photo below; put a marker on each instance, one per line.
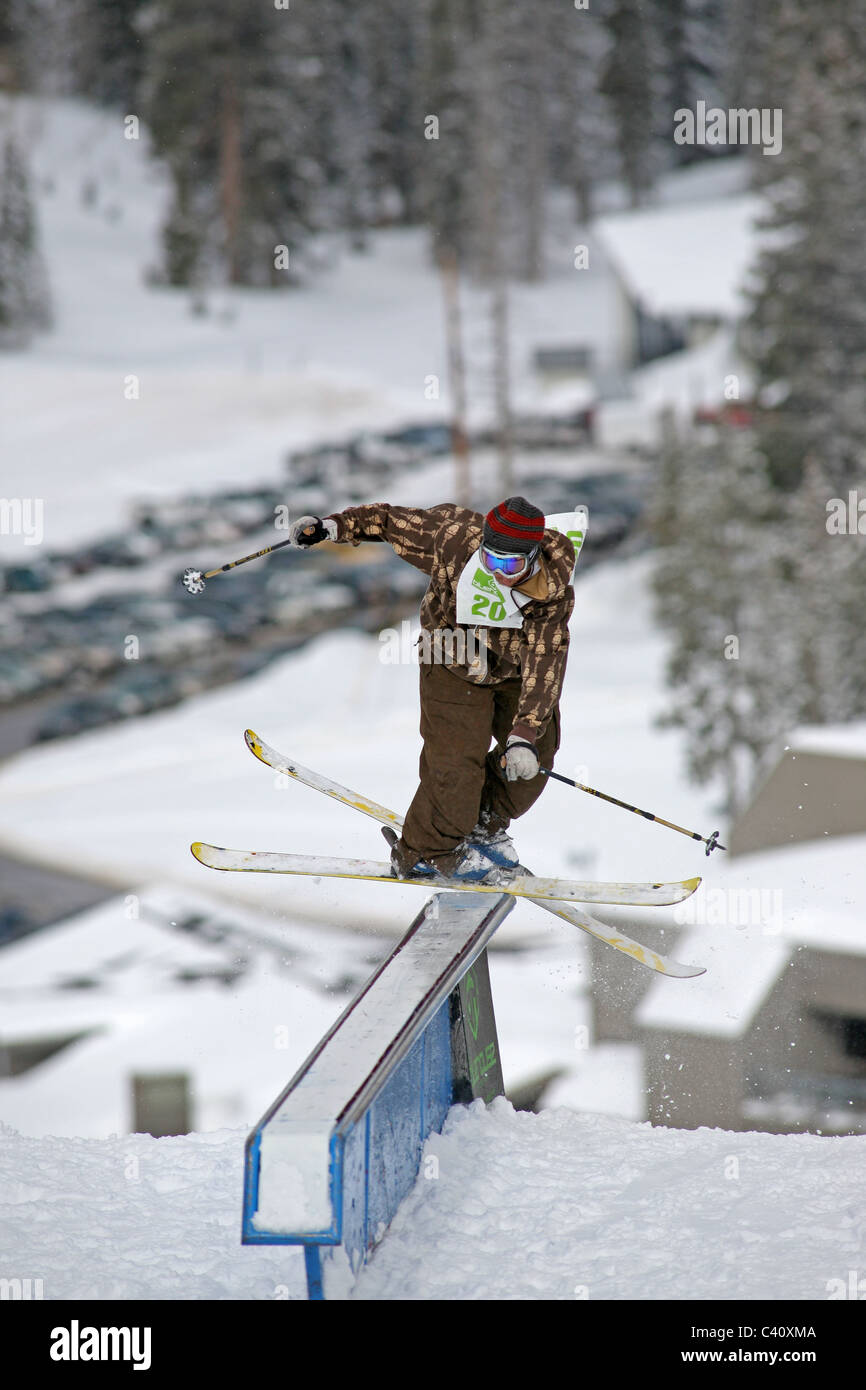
(685, 260)
(749, 915)
(839, 740)
(126, 943)
(235, 1004)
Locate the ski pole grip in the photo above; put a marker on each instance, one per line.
(311, 535)
(519, 743)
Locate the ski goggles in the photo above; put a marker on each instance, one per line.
(509, 565)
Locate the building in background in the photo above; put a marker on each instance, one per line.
(773, 1037)
(679, 271)
(162, 1012)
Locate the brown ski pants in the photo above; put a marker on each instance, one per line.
(460, 779)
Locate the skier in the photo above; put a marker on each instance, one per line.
(501, 584)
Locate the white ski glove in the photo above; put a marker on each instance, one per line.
(521, 759)
(309, 530)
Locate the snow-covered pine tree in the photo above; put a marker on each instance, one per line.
(395, 41)
(806, 333)
(24, 292)
(763, 593)
(10, 58)
(487, 80)
(279, 98)
(814, 611)
(110, 50)
(493, 228)
(369, 110)
(228, 97)
(692, 35)
(581, 140)
(450, 111)
(713, 513)
(341, 49)
(747, 35)
(50, 44)
(629, 81)
(516, 49)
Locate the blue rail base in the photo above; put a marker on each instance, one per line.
(375, 1156)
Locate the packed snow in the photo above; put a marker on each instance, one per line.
(133, 1217)
(565, 1206)
(507, 1205)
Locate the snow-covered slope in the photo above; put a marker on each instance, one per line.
(221, 396)
(570, 1206)
(135, 1218)
(516, 1206)
(218, 398)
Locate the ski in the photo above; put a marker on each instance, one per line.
(272, 758)
(644, 955)
(517, 882)
(574, 915)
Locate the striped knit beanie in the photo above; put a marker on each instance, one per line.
(514, 526)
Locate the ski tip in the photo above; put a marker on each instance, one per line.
(204, 853)
(255, 745)
(692, 884)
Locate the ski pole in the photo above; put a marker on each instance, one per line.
(193, 580)
(711, 841)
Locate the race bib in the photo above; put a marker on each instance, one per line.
(481, 602)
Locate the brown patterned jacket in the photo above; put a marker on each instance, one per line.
(439, 541)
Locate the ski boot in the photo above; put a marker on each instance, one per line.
(480, 862)
(497, 845)
(471, 862)
(497, 848)
(403, 862)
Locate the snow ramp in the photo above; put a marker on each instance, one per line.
(564, 1206)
